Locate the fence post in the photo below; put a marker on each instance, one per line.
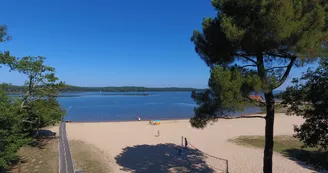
(181, 141)
(227, 162)
(19, 167)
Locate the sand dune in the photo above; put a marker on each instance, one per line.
(134, 147)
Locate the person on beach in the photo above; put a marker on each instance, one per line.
(183, 151)
(186, 143)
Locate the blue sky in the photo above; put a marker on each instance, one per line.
(110, 43)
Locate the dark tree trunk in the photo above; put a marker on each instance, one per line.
(269, 126)
(269, 119)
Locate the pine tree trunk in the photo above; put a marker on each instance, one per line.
(269, 126)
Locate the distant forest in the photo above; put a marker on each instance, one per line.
(70, 88)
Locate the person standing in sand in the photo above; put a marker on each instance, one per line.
(186, 143)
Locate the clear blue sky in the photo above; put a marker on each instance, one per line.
(110, 42)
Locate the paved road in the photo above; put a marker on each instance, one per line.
(65, 158)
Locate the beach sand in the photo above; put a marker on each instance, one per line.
(134, 147)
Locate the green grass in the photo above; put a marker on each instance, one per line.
(89, 159)
(289, 147)
(277, 109)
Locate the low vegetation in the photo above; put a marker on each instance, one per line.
(88, 159)
(38, 156)
(289, 147)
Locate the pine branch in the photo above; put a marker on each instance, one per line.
(277, 67)
(289, 67)
(249, 65)
(281, 55)
(247, 58)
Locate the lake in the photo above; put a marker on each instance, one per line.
(101, 106)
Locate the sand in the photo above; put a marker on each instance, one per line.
(134, 147)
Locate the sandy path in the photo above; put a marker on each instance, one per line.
(147, 153)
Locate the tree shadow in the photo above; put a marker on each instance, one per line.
(308, 159)
(161, 158)
(41, 134)
(41, 138)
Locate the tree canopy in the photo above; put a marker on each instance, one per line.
(263, 39)
(5, 57)
(309, 98)
(39, 106)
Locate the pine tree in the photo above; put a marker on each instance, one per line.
(252, 45)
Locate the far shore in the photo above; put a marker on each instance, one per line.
(101, 94)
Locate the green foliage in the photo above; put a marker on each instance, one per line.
(39, 106)
(3, 33)
(41, 78)
(41, 113)
(31, 65)
(229, 92)
(309, 98)
(5, 57)
(275, 26)
(11, 137)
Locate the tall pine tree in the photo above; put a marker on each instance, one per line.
(252, 45)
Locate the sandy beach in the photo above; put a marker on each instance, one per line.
(134, 147)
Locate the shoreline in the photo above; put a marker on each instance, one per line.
(124, 121)
(165, 119)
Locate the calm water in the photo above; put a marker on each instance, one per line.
(96, 106)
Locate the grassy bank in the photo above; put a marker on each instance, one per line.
(89, 159)
(289, 147)
(278, 108)
(38, 156)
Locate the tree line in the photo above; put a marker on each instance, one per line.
(9, 88)
(21, 118)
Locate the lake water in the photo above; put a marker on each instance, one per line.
(97, 106)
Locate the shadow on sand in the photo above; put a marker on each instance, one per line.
(161, 158)
(314, 160)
